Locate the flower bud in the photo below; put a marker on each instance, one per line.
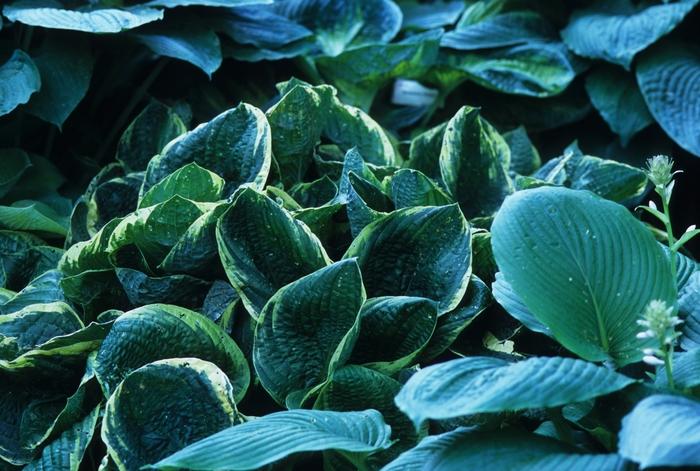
(660, 170)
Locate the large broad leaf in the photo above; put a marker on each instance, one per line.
(689, 304)
(616, 96)
(161, 331)
(148, 133)
(66, 452)
(524, 157)
(43, 289)
(307, 330)
(236, 145)
(190, 181)
(263, 248)
(511, 302)
(608, 269)
(23, 257)
(270, 438)
(504, 449)
(50, 14)
(412, 188)
(393, 332)
(473, 163)
(204, 3)
(164, 406)
(19, 78)
(428, 16)
(506, 29)
(355, 388)
(476, 385)
(261, 27)
(662, 431)
(16, 162)
(423, 251)
(610, 179)
(616, 30)
(192, 43)
(669, 76)
(48, 218)
(65, 66)
(686, 370)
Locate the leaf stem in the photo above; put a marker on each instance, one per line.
(668, 366)
(669, 230)
(129, 108)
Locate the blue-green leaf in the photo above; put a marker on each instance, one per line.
(19, 79)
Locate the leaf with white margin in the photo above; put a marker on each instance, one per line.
(662, 430)
(272, 437)
(307, 330)
(475, 385)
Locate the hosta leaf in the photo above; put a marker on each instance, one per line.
(669, 77)
(161, 331)
(19, 78)
(607, 178)
(314, 194)
(307, 330)
(424, 153)
(428, 16)
(464, 448)
(191, 182)
(297, 121)
(432, 246)
(66, 452)
(473, 162)
(141, 289)
(583, 233)
(164, 406)
(524, 157)
(16, 162)
(689, 304)
(28, 215)
(204, 3)
(616, 96)
(451, 324)
(49, 14)
(393, 331)
(235, 145)
(261, 27)
(539, 69)
(355, 388)
(662, 430)
(272, 437)
(43, 289)
(476, 385)
(616, 30)
(263, 248)
(507, 29)
(412, 188)
(511, 302)
(195, 44)
(151, 130)
(65, 67)
(359, 73)
(686, 370)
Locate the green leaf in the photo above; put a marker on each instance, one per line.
(617, 30)
(506, 29)
(612, 180)
(473, 163)
(428, 16)
(689, 304)
(204, 3)
(43, 289)
(262, 28)
(275, 436)
(23, 257)
(66, 452)
(263, 248)
(412, 188)
(686, 370)
(584, 234)
(160, 331)
(307, 330)
(191, 43)
(297, 121)
(190, 181)
(616, 96)
(662, 430)
(465, 448)
(424, 152)
(355, 388)
(19, 79)
(193, 400)
(431, 246)
(524, 157)
(393, 332)
(475, 385)
(15, 162)
(235, 145)
(141, 289)
(28, 215)
(314, 194)
(514, 305)
(49, 14)
(65, 65)
(669, 77)
(148, 133)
